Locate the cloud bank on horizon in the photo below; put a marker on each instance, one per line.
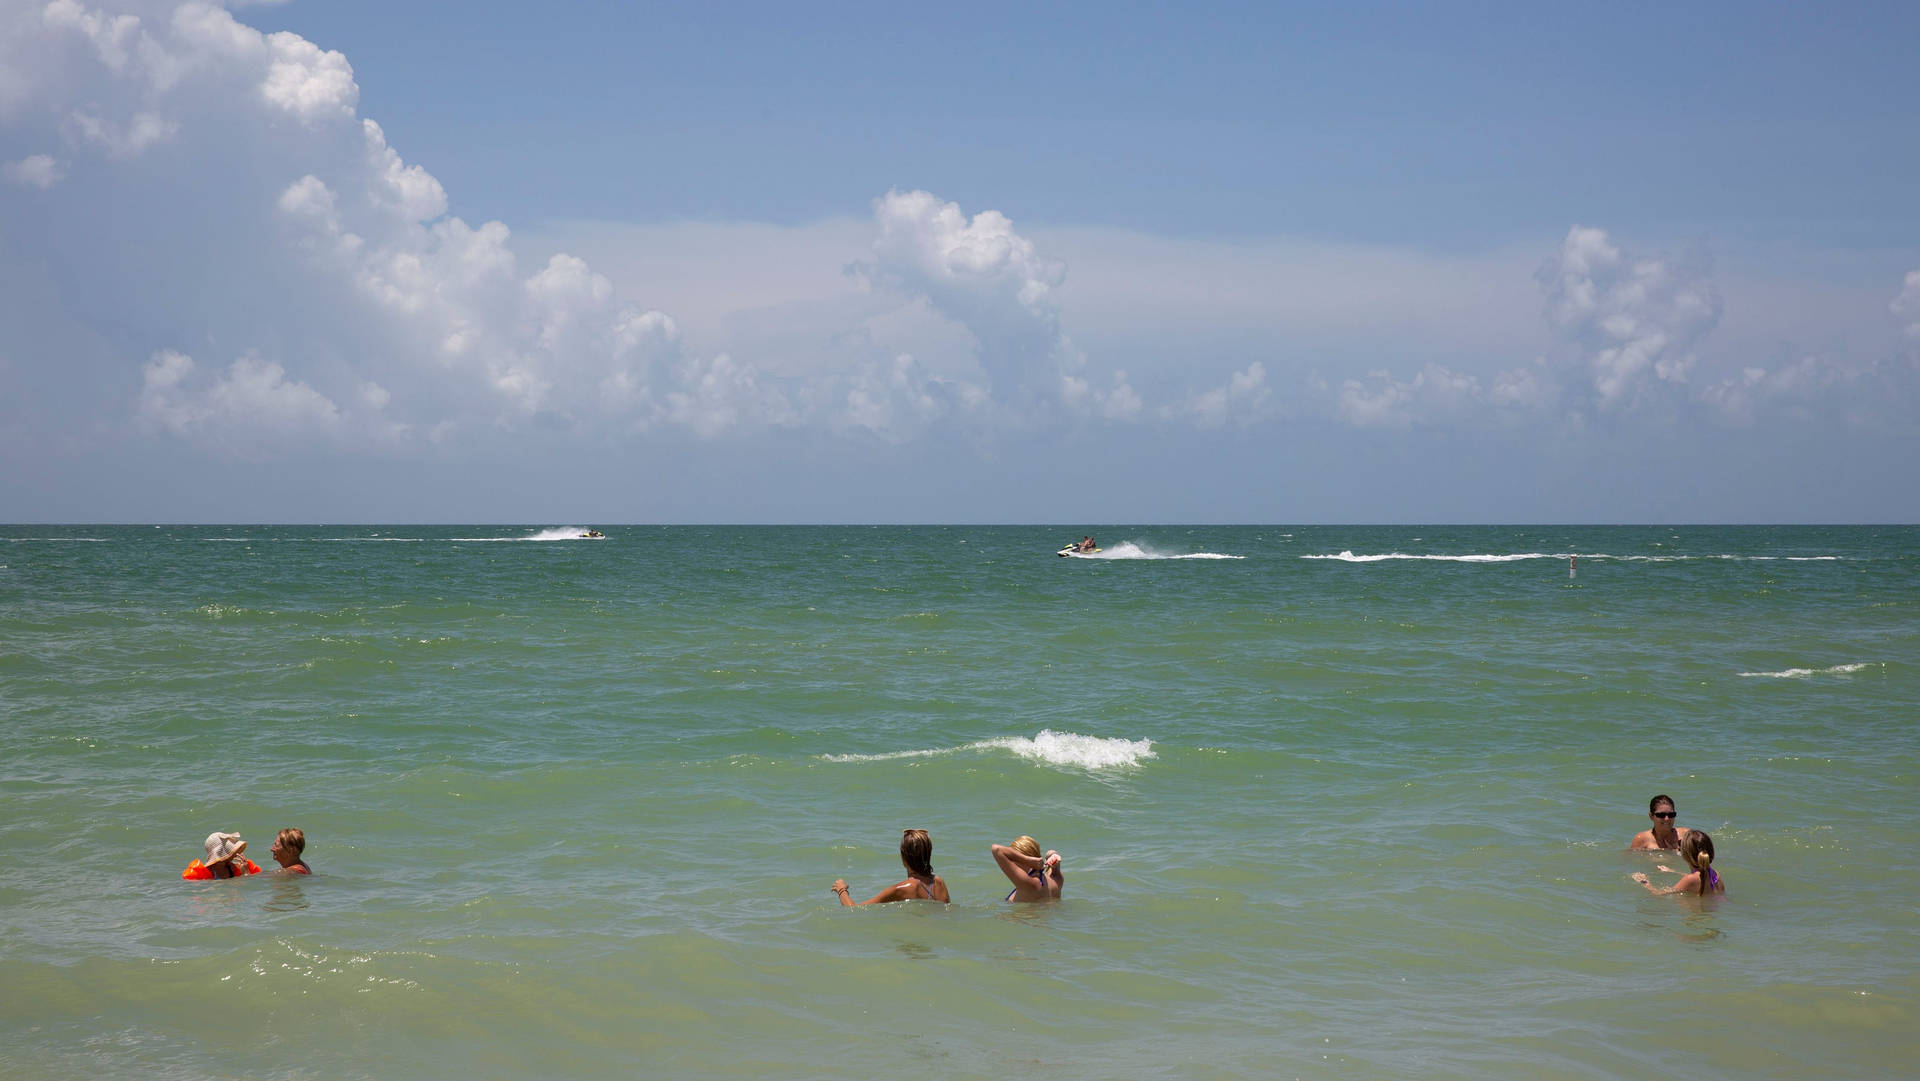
(221, 250)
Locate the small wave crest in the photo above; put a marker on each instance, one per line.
(1136, 550)
(1067, 749)
(1806, 673)
(1728, 558)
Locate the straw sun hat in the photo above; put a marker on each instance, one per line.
(222, 847)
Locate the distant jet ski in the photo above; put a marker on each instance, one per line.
(1074, 550)
(593, 534)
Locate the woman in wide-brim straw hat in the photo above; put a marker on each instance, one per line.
(225, 859)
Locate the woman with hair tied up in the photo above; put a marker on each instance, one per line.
(1697, 849)
(1035, 877)
(916, 853)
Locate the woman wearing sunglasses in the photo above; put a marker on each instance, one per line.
(1664, 835)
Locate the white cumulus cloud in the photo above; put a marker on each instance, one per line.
(1240, 402)
(1634, 320)
(319, 247)
(252, 400)
(409, 189)
(982, 274)
(1382, 401)
(715, 395)
(1906, 306)
(1742, 398)
(121, 139)
(34, 171)
(307, 81)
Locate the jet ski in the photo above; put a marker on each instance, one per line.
(1074, 550)
(593, 534)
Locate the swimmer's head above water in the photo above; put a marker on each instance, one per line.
(1697, 849)
(916, 851)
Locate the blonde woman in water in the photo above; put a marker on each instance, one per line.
(1035, 877)
(1697, 849)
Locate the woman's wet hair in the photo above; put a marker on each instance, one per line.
(1654, 803)
(916, 851)
(1697, 849)
(293, 839)
(1026, 846)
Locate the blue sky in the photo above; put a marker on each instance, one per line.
(600, 263)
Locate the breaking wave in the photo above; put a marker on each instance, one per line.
(1806, 673)
(1066, 749)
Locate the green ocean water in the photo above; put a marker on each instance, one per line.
(1335, 802)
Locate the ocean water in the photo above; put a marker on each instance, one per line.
(1335, 802)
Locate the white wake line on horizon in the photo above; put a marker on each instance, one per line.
(314, 540)
(368, 540)
(537, 538)
(1159, 558)
(1050, 747)
(1131, 550)
(1515, 557)
(1806, 673)
(555, 533)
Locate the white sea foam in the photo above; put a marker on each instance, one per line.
(1805, 673)
(1349, 557)
(1592, 557)
(561, 533)
(1068, 749)
(1136, 550)
(1072, 749)
(1728, 558)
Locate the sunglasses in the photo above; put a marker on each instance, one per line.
(1668, 815)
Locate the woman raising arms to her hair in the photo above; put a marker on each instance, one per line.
(1697, 849)
(1034, 877)
(916, 853)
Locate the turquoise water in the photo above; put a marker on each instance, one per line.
(1335, 802)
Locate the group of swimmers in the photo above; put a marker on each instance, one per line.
(1693, 845)
(1036, 876)
(226, 857)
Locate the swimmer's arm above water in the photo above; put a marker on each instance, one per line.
(1689, 883)
(891, 893)
(1016, 864)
